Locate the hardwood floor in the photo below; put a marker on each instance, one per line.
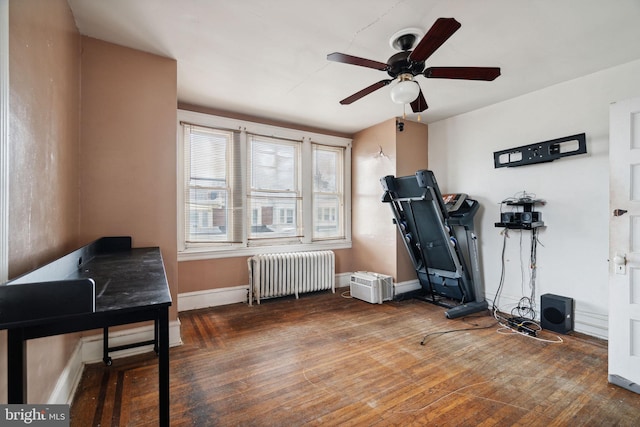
(328, 360)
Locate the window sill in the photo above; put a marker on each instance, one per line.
(195, 254)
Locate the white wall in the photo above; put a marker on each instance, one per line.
(573, 261)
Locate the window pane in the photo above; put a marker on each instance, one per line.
(327, 223)
(274, 217)
(208, 158)
(207, 215)
(273, 165)
(325, 166)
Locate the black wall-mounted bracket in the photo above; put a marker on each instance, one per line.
(541, 152)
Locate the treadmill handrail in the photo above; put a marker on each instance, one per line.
(409, 199)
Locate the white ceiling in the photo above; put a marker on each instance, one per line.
(268, 58)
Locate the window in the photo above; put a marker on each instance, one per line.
(211, 179)
(274, 176)
(246, 188)
(328, 191)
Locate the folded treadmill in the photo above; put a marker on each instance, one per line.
(439, 236)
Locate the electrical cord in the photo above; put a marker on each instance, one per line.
(521, 319)
(526, 331)
(505, 235)
(440, 333)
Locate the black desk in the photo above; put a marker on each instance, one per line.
(130, 286)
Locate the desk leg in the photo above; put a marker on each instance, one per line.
(163, 366)
(105, 346)
(16, 366)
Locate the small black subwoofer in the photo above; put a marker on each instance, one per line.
(556, 313)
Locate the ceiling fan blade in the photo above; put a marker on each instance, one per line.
(365, 91)
(464, 73)
(354, 60)
(419, 104)
(439, 32)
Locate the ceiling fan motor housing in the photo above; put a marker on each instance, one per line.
(401, 64)
(404, 42)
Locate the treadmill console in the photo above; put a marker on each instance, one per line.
(454, 201)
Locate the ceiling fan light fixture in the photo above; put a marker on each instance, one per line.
(405, 91)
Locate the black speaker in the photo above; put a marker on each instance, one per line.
(507, 217)
(556, 313)
(529, 217)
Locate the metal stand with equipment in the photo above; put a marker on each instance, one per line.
(440, 239)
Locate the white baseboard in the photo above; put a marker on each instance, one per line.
(231, 295)
(594, 324)
(212, 298)
(69, 378)
(343, 280)
(89, 350)
(406, 287)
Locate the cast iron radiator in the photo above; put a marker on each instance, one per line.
(275, 275)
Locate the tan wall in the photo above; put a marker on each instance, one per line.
(44, 99)
(376, 243)
(411, 147)
(44, 81)
(373, 233)
(128, 149)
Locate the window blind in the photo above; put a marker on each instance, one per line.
(213, 185)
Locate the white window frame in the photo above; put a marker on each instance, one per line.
(328, 211)
(205, 251)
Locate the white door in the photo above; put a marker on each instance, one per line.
(624, 244)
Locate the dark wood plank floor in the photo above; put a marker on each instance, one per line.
(327, 360)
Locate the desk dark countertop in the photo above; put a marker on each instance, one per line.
(127, 279)
(123, 280)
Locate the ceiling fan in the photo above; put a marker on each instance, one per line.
(408, 63)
